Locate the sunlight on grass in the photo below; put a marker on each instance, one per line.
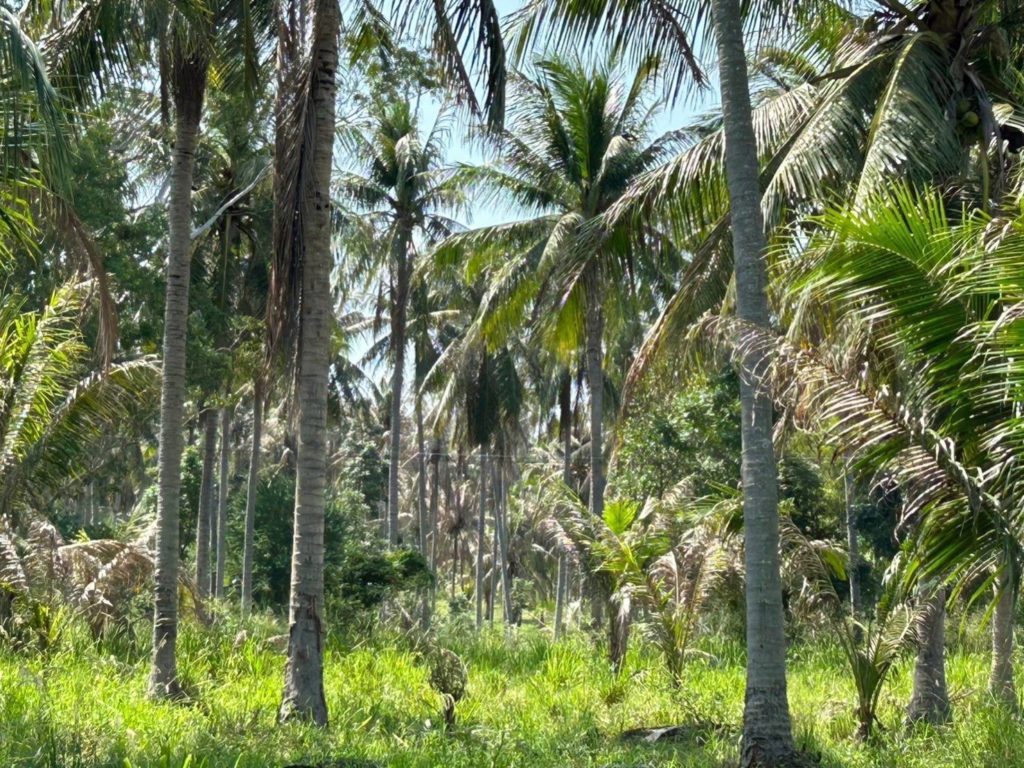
(530, 703)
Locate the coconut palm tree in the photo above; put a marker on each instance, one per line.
(187, 72)
(479, 396)
(899, 321)
(854, 101)
(577, 138)
(252, 481)
(305, 130)
(398, 196)
(767, 732)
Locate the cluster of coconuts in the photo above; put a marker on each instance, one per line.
(966, 114)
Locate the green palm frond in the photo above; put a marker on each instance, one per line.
(634, 30)
(49, 414)
(466, 37)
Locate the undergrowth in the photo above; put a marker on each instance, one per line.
(530, 703)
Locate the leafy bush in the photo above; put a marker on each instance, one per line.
(691, 435)
(359, 572)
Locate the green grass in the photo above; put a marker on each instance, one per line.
(531, 703)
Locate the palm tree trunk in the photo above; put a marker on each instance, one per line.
(493, 581)
(501, 508)
(189, 84)
(421, 481)
(204, 525)
(595, 381)
(561, 587)
(435, 492)
(481, 540)
(1000, 682)
(222, 501)
(250, 495)
(395, 443)
(304, 672)
(851, 542)
(453, 512)
(399, 308)
(929, 700)
(767, 730)
(565, 430)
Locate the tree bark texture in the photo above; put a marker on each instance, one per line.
(481, 540)
(767, 730)
(929, 700)
(304, 673)
(205, 534)
(252, 484)
(188, 87)
(222, 501)
(1001, 679)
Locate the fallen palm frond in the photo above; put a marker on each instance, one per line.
(98, 578)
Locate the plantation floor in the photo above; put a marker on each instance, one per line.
(531, 703)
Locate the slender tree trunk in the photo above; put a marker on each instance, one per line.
(767, 731)
(222, 500)
(561, 587)
(595, 381)
(501, 508)
(304, 673)
(399, 309)
(455, 560)
(493, 581)
(929, 701)
(481, 540)
(851, 542)
(435, 492)
(565, 430)
(188, 85)
(204, 524)
(421, 481)
(250, 495)
(1000, 682)
(449, 508)
(395, 444)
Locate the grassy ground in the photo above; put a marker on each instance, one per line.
(531, 703)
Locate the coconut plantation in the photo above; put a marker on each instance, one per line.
(511, 383)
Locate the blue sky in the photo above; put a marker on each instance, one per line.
(674, 116)
(461, 150)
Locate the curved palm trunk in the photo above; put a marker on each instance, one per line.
(304, 672)
(767, 731)
(1000, 682)
(250, 496)
(929, 700)
(481, 539)
(204, 525)
(222, 502)
(189, 85)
